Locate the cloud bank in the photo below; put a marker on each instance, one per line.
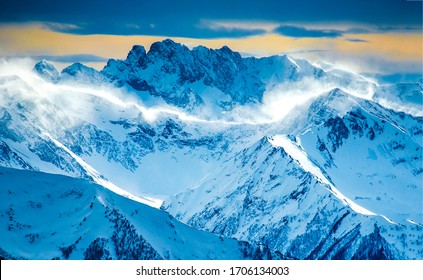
(82, 101)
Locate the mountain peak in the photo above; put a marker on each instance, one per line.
(137, 50)
(76, 67)
(167, 48)
(169, 42)
(225, 50)
(81, 72)
(337, 93)
(137, 56)
(47, 70)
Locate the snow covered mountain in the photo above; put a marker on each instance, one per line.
(82, 220)
(47, 71)
(83, 132)
(327, 192)
(308, 160)
(201, 77)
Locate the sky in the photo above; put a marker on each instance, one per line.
(378, 36)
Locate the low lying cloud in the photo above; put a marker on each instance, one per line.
(80, 101)
(412, 109)
(279, 101)
(91, 102)
(71, 58)
(364, 62)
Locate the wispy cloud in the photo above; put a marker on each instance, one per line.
(400, 28)
(233, 24)
(367, 62)
(355, 40)
(302, 32)
(133, 26)
(234, 28)
(62, 27)
(306, 51)
(84, 58)
(366, 29)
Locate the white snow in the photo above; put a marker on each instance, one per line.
(42, 213)
(361, 173)
(297, 153)
(95, 175)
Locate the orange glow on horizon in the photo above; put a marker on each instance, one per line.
(35, 40)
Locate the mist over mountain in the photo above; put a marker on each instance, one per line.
(181, 153)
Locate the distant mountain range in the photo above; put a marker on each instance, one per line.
(88, 156)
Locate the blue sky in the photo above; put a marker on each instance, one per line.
(185, 18)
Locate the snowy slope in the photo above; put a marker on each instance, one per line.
(364, 162)
(380, 166)
(56, 129)
(82, 74)
(272, 193)
(46, 216)
(47, 71)
(312, 160)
